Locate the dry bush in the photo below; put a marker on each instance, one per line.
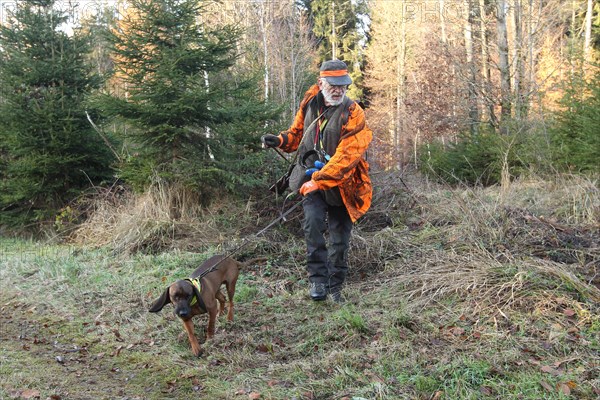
(477, 276)
(164, 217)
(413, 224)
(490, 247)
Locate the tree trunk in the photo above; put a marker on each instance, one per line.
(503, 63)
(263, 29)
(531, 30)
(471, 76)
(518, 62)
(333, 33)
(443, 22)
(400, 92)
(293, 62)
(488, 105)
(587, 46)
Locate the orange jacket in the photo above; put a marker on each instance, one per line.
(348, 169)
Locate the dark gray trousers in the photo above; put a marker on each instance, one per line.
(326, 265)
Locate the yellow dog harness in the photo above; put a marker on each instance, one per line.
(195, 299)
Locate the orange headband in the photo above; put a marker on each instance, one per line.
(340, 72)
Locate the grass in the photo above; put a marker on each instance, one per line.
(470, 294)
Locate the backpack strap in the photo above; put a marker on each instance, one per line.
(346, 111)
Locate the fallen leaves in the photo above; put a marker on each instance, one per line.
(251, 395)
(569, 312)
(549, 370)
(561, 387)
(30, 394)
(486, 390)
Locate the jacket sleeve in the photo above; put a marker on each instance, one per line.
(290, 139)
(354, 141)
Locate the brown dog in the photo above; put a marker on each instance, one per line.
(195, 296)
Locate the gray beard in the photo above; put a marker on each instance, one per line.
(329, 99)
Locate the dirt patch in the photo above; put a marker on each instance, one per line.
(46, 356)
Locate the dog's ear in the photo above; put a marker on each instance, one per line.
(162, 301)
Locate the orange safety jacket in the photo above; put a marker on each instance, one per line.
(347, 169)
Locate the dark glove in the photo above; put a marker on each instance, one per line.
(269, 140)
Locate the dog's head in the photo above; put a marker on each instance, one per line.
(180, 294)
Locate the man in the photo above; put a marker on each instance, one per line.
(331, 137)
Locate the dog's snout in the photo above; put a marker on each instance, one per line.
(183, 313)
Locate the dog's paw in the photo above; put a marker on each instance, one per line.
(198, 352)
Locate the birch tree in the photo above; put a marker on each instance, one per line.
(587, 44)
(503, 60)
(471, 67)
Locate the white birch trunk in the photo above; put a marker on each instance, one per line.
(471, 76)
(518, 62)
(503, 62)
(263, 30)
(443, 22)
(400, 91)
(587, 45)
(488, 105)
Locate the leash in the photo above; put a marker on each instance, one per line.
(244, 242)
(282, 156)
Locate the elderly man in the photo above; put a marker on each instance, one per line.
(331, 137)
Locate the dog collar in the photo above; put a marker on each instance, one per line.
(197, 285)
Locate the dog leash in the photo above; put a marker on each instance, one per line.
(281, 215)
(244, 242)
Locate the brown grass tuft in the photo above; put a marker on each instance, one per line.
(163, 217)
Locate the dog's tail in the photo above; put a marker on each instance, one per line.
(252, 261)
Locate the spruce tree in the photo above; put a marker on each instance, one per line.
(190, 120)
(49, 153)
(576, 135)
(340, 33)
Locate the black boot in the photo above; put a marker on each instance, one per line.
(318, 291)
(337, 296)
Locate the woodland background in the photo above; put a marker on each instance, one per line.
(129, 94)
(130, 153)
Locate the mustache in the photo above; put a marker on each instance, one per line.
(330, 100)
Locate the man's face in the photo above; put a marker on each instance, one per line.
(333, 94)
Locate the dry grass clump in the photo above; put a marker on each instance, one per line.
(573, 200)
(488, 243)
(570, 201)
(558, 220)
(479, 277)
(163, 217)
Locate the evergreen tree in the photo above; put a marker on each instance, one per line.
(339, 30)
(576, 136)
(190, 119)
(49, 152)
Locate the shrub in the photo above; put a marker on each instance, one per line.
(575, 138)
(474, 159)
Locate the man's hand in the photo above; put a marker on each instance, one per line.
(308, 187)
(269, 140)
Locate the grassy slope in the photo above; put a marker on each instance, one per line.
(468, 294)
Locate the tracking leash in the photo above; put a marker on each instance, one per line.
(282, 214)
(244, 242)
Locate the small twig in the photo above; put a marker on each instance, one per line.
(106, 141)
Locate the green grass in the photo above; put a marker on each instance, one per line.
(88, 307)
(439, 312)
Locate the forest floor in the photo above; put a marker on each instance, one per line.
(454, 293)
